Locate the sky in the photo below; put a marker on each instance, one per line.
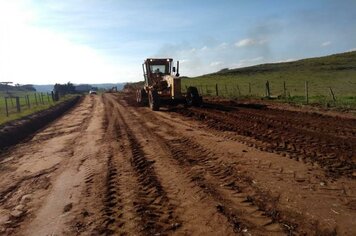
(98, 41)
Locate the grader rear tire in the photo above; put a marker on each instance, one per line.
(193, 98)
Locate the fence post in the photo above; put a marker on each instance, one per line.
(284, 89)
(268, 92)
(217, 90)
(226, 92)
(6, 107)
(238, 89)
(332, 93)
(28, 101)
(36, 99)
(48, 98)
(18, 107)
(306, 92)
(249, 88)
(42, 98)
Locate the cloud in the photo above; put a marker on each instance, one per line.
(222, 46)
(236, 65)
(325, 44)
(216, 63)
(285, 60)
(204, 48)
(251, 60)
(44, 56)
(249, 42)
(247, 62)
(245, 42)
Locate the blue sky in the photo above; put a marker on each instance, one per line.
(96, 41)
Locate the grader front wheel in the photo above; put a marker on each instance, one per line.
(141, 97)
(154, 100)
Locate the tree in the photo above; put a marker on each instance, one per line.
(28, 87)
(63, 89)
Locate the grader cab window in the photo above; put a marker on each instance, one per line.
(159, 69)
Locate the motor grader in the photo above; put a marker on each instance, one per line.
(162, 85)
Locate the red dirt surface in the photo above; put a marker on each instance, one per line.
(109, 167)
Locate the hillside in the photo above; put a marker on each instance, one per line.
(335, 73)
(333, 63)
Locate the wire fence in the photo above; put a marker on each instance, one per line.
(20, 103)
(304, 92)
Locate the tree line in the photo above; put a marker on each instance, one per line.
(17, 87)
(63, 89)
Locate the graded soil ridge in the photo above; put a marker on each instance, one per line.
(15, 131)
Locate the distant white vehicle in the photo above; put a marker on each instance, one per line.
(92, 92)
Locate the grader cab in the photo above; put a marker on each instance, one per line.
(162, 85)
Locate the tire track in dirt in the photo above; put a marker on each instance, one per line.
(197, 215)
(112, 219)
(94, 165)
(324, 192)
(112, 212)
(157, 213)
(291, 220)
(97, 209)
(334, 125)
(150, 205)
(219, 184)
(333, 153)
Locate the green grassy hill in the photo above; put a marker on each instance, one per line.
(337, 62)
(337, 72)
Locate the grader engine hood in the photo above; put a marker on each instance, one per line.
(174, 83)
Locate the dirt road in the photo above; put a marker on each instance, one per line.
(108, 167)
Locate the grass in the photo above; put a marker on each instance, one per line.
(37, 103)
(335, 72)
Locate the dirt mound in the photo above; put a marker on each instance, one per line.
(15, 131)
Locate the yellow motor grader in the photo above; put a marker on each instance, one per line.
(162, 85)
